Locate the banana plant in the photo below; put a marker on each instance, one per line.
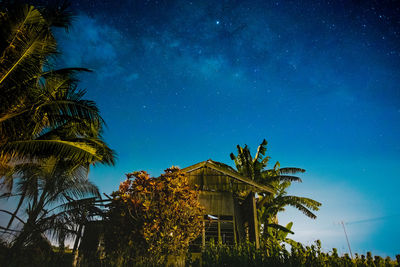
(279, 179)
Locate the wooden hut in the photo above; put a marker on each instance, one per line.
(230, 213)
(229, 201)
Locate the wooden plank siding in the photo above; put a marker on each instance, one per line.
(214, 176)
(217, 203)
(233, 220)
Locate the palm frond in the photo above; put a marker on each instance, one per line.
(77, 151)
(58, 14)
(291, 170)
(29, 44)
(6, 177)
(20, 202)
(285, 178)
(9, 213)
(63, 72)
(79, 188)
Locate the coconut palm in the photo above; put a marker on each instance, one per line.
(268, 205)
(53, 194)
(42, 113)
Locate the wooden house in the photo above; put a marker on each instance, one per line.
(229, 201)
(230, 215)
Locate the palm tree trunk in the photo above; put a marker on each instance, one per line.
(78, 237)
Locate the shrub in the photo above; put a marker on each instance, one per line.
(150, 219)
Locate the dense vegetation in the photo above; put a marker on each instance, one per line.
(278, 179)
(49, 135)
(273, 253)
(150, 219)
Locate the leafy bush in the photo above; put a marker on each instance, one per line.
(150, 219)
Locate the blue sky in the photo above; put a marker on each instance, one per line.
(179, 82)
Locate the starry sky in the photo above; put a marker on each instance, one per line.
(179, 82)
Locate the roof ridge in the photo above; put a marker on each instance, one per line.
(227, 170)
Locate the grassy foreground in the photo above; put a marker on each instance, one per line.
(270, 254)
(274, 254)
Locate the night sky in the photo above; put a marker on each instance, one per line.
(179, 82)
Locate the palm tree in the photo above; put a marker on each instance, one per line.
(42, 113)
(269, 205)
(53, 193)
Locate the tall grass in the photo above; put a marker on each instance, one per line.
(274, 254)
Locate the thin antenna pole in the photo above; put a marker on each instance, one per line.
(347, 239)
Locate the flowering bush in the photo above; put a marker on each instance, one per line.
(151, 218)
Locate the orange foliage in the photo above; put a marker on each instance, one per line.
(154, 217)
